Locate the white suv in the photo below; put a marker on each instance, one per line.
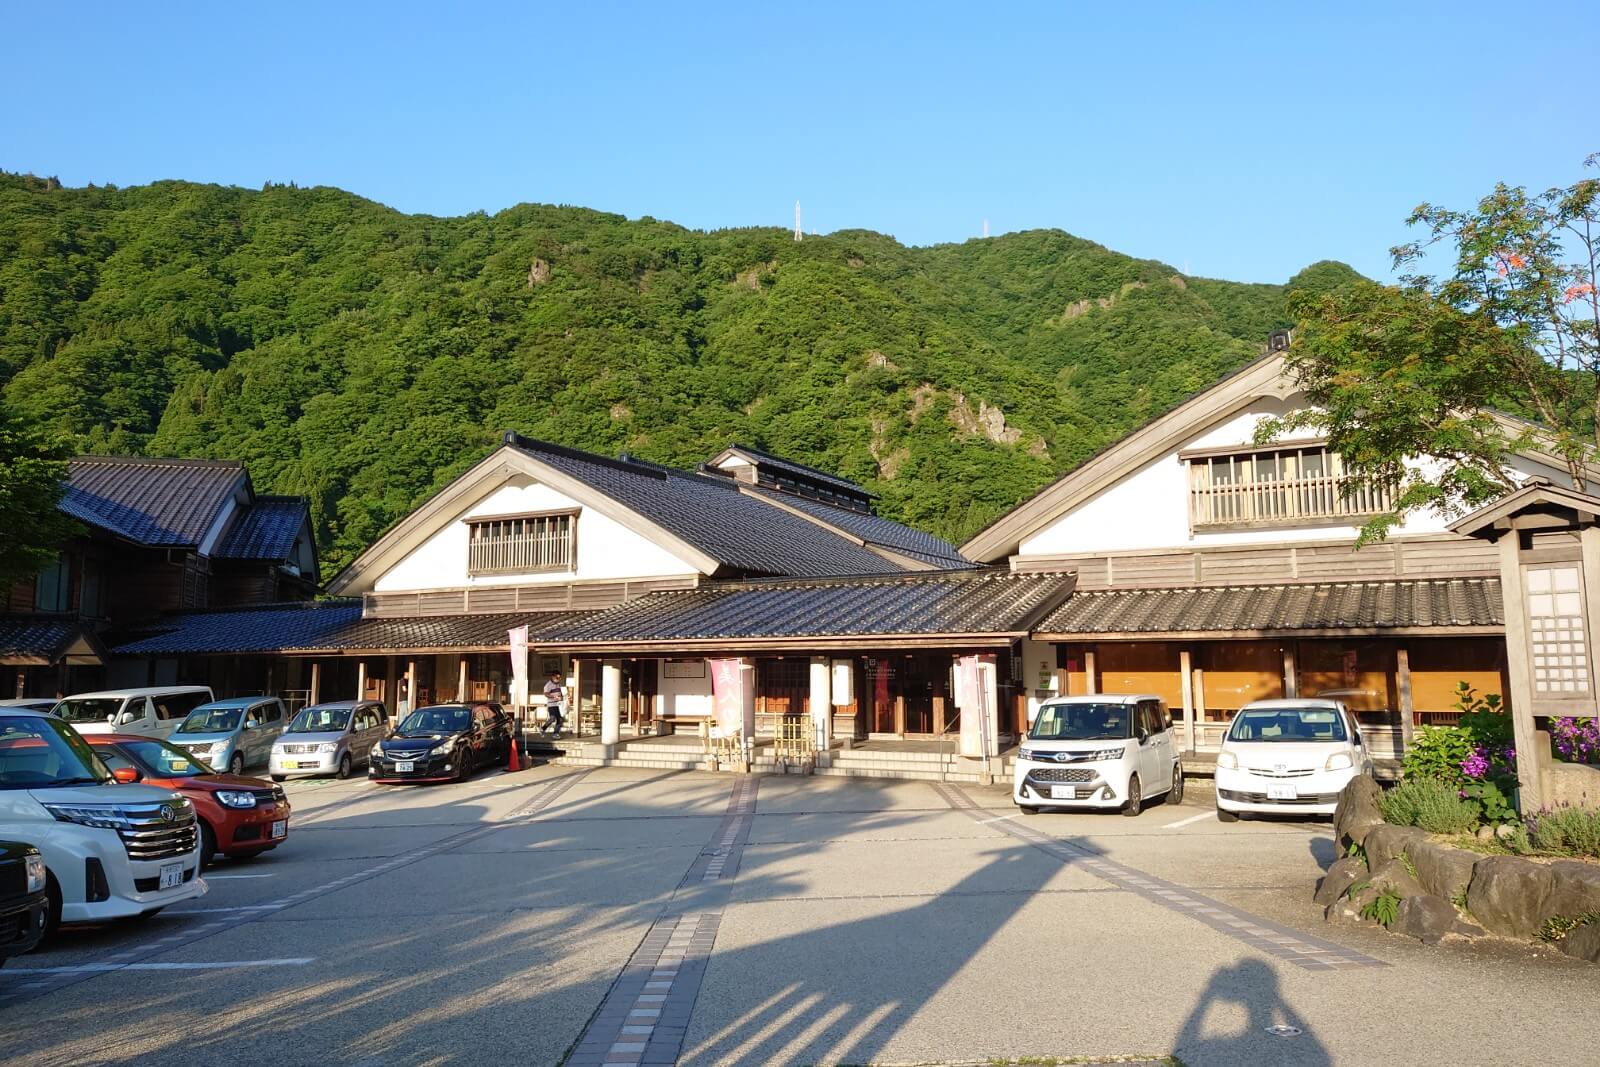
(111, 851)
(1098, 752)
(1288, 756)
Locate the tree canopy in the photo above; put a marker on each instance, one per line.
(363, 357)
(32, 469)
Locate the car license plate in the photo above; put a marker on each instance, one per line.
(1282, 792)
(280, 828)
(1063, 792)
(171, 875)
(308, 765)
(403, 765)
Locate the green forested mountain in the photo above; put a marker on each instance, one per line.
(363, 357)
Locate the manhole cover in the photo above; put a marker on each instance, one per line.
(1283, 1031)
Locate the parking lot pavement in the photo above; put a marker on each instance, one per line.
(500, 920)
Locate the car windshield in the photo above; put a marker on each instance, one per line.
(38, 752)
(211, 721)
(320, 721)
(88, 709)
(1083, 722)
(161, 760)
(427, 721)
(1287, 724)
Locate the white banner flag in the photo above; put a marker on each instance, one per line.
(519, 666)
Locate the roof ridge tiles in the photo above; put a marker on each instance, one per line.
(530, 444)
(161, 461)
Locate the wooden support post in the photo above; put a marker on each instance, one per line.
(1090, 681)
(314, 695)
(411, 683)
(1291, 678)
(1402, 683)
(576, 710)
(361, 679)
(610, 705)
(1186, 687)
(1521, 671)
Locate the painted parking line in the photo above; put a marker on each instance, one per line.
(88, 968)
(1280, 942)
(997, 818)
(1188, 821)
(15, 987)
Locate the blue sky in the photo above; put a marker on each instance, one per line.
(1242, 143)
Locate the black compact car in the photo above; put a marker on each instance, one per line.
(446, 742)
(23, 905)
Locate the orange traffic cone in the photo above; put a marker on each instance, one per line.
(514, 763)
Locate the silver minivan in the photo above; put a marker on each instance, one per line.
(151, 711)
(230, 735)
(329, 739)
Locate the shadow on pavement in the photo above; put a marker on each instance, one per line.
(1250, 988)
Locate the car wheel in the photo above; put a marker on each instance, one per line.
(461, 765)
(344, 766)
(1028, 809)
(1175, 794)
(1226, 816)
(52, 910)
(208, 845)
(1135, 802)
(236, 764)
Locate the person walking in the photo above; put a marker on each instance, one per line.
(555, 695)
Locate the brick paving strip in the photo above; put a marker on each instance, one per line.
(1279, 942)
(18, 984)
(645, 1015)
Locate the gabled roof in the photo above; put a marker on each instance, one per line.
(41, 640)
(1455, 605)
(992, 606)
(156, 502)
(1538, 495)
(709, 521)
(267, 530)
(872, 529)
(759, 459)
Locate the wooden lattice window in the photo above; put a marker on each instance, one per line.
(1556, 630)
(523, 544)
(1280, 487)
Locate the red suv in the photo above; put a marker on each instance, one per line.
(239, 816)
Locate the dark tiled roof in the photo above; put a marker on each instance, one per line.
(35, 638)
(801, 471)
(897, 537)
(162, 502)
(921, 603)
(1463, 602)
(707, 511)
(327, 626)
(267, 531)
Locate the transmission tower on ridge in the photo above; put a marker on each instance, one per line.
(798, 233)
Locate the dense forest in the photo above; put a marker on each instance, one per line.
(363, 357)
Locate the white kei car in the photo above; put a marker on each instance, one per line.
(1098, 751)
(1289, 756)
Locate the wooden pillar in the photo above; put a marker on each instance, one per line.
(389, 687)
(1291, 678)
(1197, 682)
(1186, 687)
(461, 678)
(575, 711)
(314, 694)
(1402, 682)
(900, 714)
(1517, 665)
(821, 700)
(361, 679)
(1091, 681)
(411, 683)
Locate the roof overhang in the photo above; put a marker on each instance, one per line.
(80, 648)
(1280, 634)
(1537, 505)
(451, 502)
(818, 643)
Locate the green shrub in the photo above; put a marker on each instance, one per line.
(1437, 752)
(1433, 805)
(1566, 832)
(1384, 907)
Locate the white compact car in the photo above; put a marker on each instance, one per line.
(1288, 757)
(111, 851)
(1105, 752)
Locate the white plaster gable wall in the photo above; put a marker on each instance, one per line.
(607, 550)
(1149, 509)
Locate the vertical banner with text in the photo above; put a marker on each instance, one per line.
(519, 666)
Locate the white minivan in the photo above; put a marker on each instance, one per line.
(1098, 751)
(111, 851)
(154, 711)
(1288, 757)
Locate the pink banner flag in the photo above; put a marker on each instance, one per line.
(727, 695)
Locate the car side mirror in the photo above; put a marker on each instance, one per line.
(112, 718)
(125, 774)
(251, 724)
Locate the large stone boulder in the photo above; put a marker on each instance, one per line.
(1385, 843)
(1584, 943)
(1340, 877)
(1429, 918)
(1576, 892)
(1571, 783)
(1393, 877)
(1442, 870)
(1510, 895)
(1357, 812)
